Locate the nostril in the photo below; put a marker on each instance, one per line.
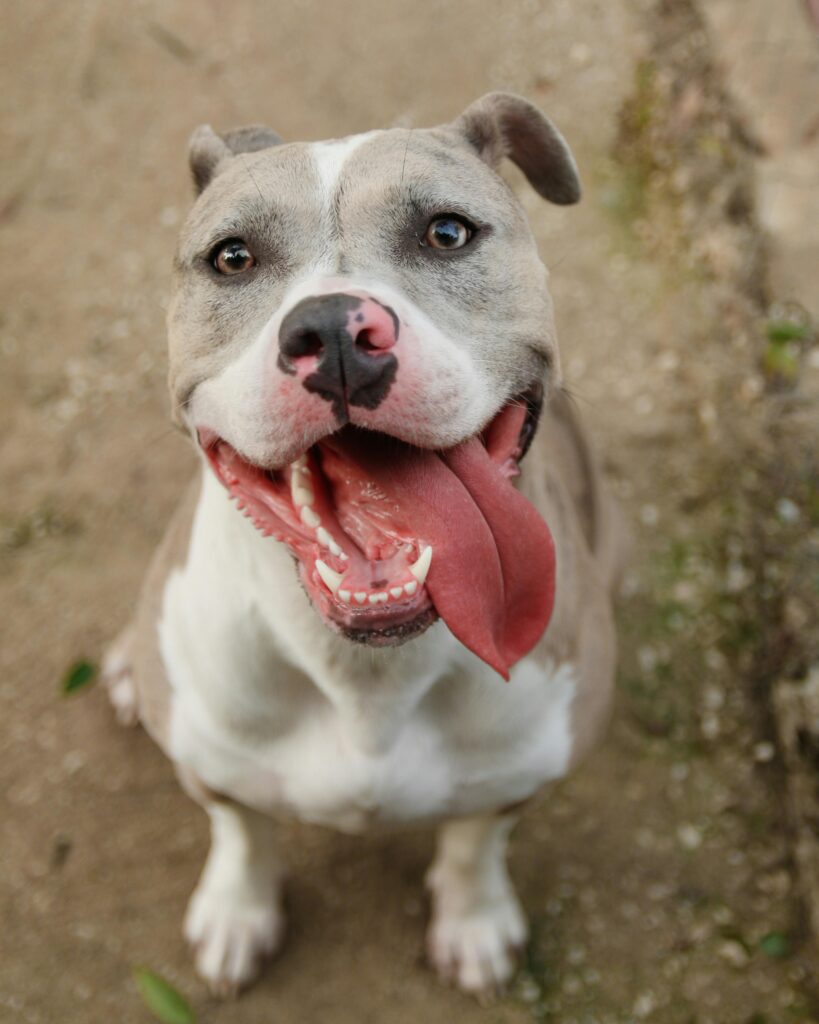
(364, 341)
(304, 343)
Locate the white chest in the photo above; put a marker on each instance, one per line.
(442, 761)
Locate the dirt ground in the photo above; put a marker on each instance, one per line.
(659, 879)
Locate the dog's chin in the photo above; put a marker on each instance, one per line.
(392, 635)
(362, 547)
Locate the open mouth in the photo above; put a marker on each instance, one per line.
(388, 536)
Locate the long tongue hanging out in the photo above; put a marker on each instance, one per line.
(493, 568)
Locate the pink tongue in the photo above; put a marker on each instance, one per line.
(493, 566)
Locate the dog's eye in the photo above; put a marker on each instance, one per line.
(448, 233)
(233, 257)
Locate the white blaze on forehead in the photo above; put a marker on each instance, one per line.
(330, 157)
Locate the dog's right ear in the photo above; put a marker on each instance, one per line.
(209, 152)
(502, 124)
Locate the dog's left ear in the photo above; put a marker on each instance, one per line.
(208, 152)
(501, 124)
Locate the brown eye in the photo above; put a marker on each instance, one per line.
(448, 233)
(233, 257)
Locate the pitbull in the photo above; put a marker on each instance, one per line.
(397, 510)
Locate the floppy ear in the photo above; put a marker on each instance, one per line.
(501, 124)
(207, 151)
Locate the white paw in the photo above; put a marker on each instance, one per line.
(478, 950)
(231, 937)
(119, 680)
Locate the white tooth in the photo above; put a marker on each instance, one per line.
(337, 550)
(396, 591)
(309, 517)
(420, 568)
(300, 462)
(301, 495)
(332, 579)
(373, 598)
(323, 537)
(360, 596)
(345, 596)
(411, 587)
(343, 556)
(379, 598)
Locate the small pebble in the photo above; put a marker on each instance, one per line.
(734, 953)
(788, 511)
(689, 836)
(764, 752)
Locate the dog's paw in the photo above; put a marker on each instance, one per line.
(231, 938)
(118, 677)
(479, 950)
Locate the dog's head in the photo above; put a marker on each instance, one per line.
(360, 338)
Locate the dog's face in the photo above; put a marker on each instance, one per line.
(359, 340)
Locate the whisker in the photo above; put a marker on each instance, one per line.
(244, 164)
(404, 163)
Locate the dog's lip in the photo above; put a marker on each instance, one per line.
(397, 631)
(532, 397)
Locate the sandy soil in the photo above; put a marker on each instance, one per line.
(658, 879)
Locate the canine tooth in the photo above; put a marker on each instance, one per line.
(360, 596)
(396, 591)
(332, 579)
(411, 587)
(309, 517)
(345, 596)
(420, 568)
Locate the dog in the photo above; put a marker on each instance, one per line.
(397, 510)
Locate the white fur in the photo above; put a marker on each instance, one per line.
(234, 917)
(272, 709)
(477, 923)
(118, 677)
(329, 159)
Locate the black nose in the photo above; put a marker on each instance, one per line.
(342, 343)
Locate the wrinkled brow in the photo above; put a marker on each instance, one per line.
(248, 219)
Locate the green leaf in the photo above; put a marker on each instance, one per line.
(775, 944)
(787, 330)
(78, 676)
(780, 359)
(164, 1002)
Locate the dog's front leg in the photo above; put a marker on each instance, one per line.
(234, 919)
(477, 927)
